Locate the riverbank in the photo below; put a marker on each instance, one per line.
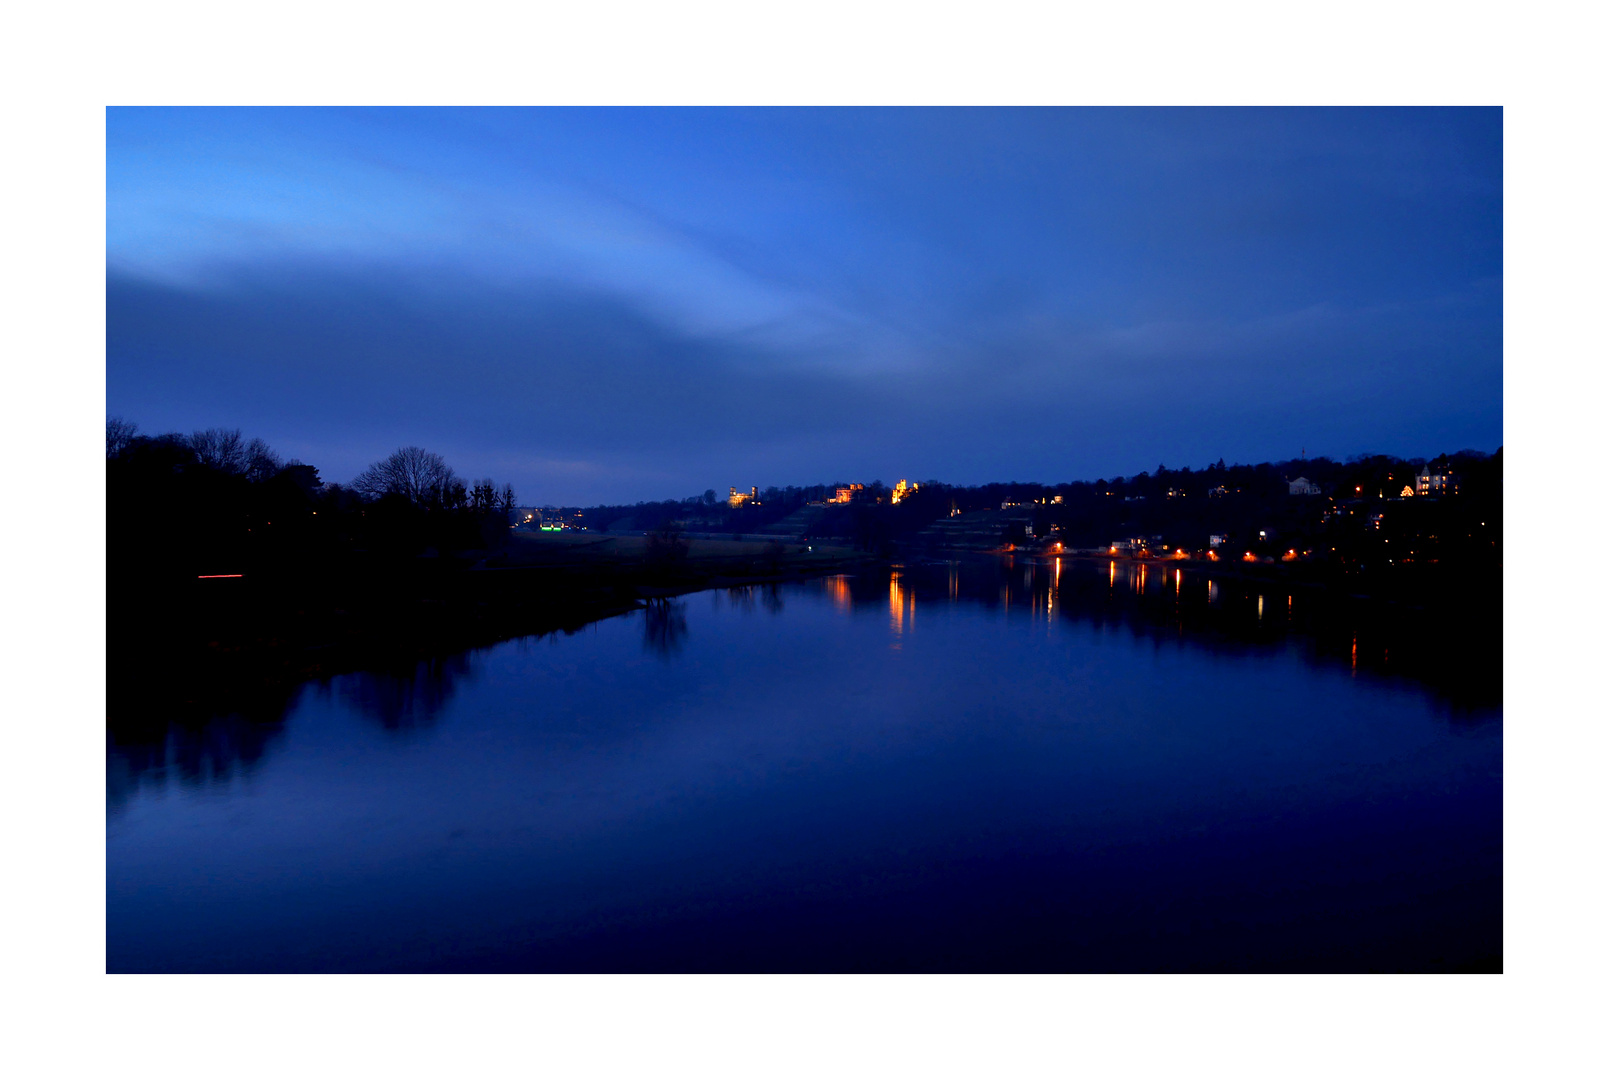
(226, 643)
(208, 645)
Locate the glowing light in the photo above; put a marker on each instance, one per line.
(838, 592)
(899, 599)
(1248, 557)
(204, 576)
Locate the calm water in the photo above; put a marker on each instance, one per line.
(987, 765)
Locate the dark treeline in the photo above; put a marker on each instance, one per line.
(213, 503)
(1358, 506)
(220, 551)
(217, 545)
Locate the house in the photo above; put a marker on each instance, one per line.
(1303, 486)
(1135, 545)
(736, 498)
(1217, 540)
(1435, 479)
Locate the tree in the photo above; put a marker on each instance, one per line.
(505, 503)
(119, 433)
(418, 475)
(261, 462)
(666, 544)
(221, 448)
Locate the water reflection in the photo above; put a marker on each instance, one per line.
(197, 750)
(1145, 779)
(1460, 665)
(901, 607)
(665, 624)
(407, 697)
(838, 592)
(192, 752)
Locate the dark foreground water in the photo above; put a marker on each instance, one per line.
(981, 766)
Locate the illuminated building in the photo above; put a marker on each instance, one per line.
(902, 490)
(1134, 545)
(1303, 486)
(846, 494)
(736, 498)
(1435, 481)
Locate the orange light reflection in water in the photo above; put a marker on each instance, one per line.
(838, 593)
(901, 606)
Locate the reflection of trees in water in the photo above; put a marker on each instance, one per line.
(664, 626)
(407, 697)
(197, 750)
(745, 597)
(1460, 661)
(192, 751)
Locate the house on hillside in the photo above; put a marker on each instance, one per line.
(1435, 479)
(1303, 486)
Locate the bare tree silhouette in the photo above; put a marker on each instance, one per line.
(119, 433)
(261, 462)
(419, 475)
(223, 449)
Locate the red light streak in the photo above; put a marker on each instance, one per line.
(200, 576)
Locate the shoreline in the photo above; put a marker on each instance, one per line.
(221, 651)
(214, 653)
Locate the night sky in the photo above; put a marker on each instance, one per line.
(614, 305)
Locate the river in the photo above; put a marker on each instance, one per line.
(971, 765)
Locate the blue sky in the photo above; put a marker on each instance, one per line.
(638, 304)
